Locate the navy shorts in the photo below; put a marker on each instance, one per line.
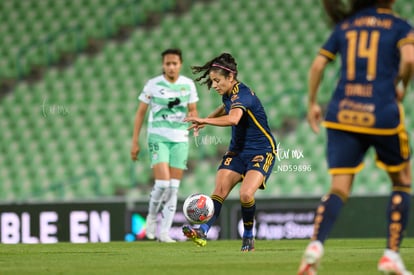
(243, 162)
(346, 151)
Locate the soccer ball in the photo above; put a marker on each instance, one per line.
(198, 208)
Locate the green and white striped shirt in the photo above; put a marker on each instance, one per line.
(168, 104)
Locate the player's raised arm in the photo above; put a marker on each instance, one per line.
(231, 119)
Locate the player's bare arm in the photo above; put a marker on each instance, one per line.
(139, 118)
(231, 119)
(218, 112)
(406, 71)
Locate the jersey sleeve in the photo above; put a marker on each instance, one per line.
(406, 35)
(145, 95)
(242, 99)
(331, 46)
(193, 93)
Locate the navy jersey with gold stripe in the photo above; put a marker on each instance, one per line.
(252, 133)
(364, 100)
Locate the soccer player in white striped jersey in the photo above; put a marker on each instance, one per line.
(170, 97)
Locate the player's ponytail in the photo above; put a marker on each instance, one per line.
(225, 63)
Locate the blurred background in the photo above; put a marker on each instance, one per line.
(71, 72)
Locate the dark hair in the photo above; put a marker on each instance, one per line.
(224, 63)
(338, 10)
(175, 51)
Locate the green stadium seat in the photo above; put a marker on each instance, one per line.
(70, 154)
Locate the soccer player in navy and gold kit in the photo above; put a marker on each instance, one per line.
(377, 63)
(252, 149)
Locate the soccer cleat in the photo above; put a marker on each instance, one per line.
(166, 239)
(311, 258)
(247, 245)
(151, 224)
(392, 264)
(195, 234)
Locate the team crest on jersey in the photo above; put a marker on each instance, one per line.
(234, 97)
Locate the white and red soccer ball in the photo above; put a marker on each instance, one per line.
(198, 208)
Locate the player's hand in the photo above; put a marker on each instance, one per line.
(196, 122)
(400, 93)
(134, 152)
(314, 116)
(196, 129)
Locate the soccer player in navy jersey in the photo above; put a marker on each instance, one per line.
(377, 62)
(251, 154)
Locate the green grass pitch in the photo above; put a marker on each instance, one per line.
(342, 256)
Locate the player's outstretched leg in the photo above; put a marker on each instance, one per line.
(196, 235)
(311, 258)
(391, 263)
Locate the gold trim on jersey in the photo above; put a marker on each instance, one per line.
(238, 105)
(327, 54)
(407, 40)
(235, 89)
(385, 10)
(267, 135)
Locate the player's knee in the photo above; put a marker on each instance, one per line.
(246, 197)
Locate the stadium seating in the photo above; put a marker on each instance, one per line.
(38, 32)
(68, 135)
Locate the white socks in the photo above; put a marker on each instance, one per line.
(156, 197)
(170, 206)
(163, 199)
